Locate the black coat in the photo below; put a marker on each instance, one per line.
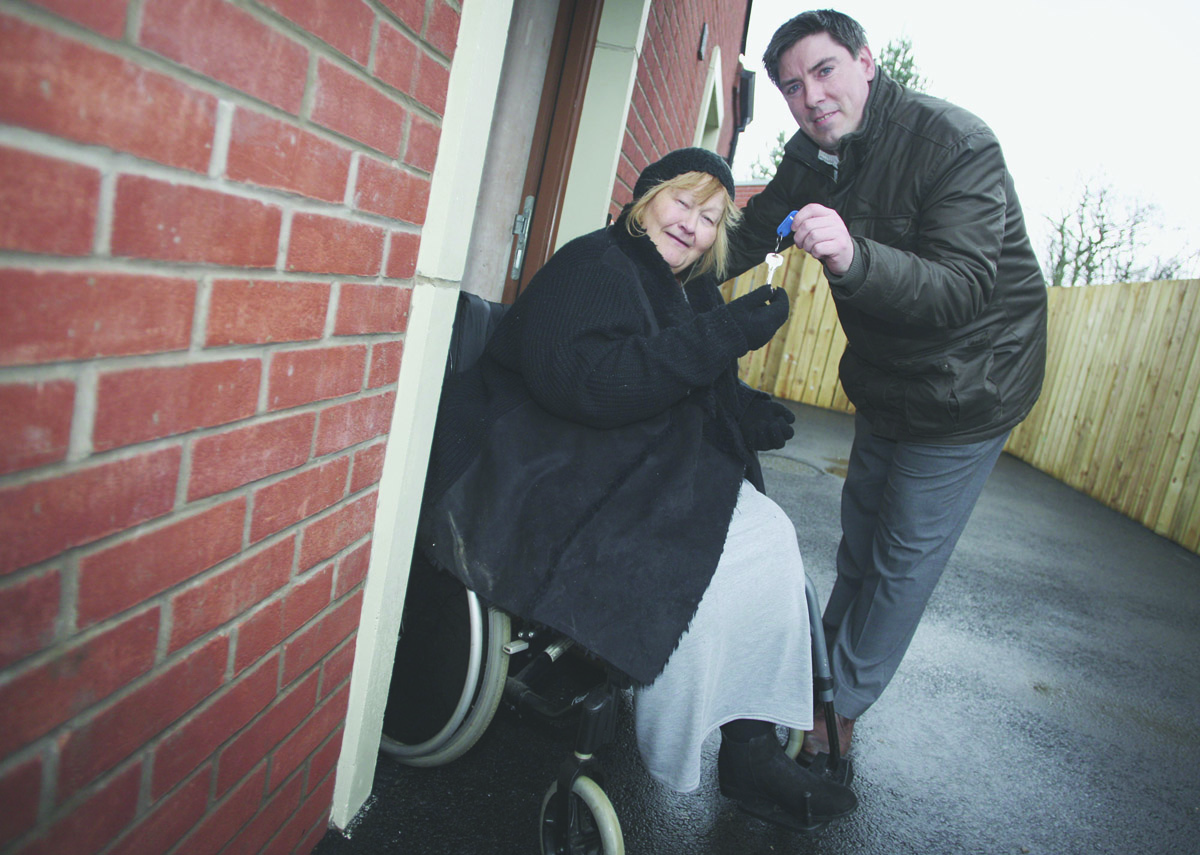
(944, 306)
(584, 472)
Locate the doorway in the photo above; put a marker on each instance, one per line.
(538, 107)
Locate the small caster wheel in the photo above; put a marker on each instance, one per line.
(592, 827)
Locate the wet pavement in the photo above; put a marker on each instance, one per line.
(1049, 704)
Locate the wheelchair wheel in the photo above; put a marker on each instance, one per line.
(593, 827)
(449, 671)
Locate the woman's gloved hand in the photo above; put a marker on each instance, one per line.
(767, 425)
(759, 313)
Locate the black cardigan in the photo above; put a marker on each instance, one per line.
(583, 474)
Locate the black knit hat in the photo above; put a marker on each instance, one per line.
(680, 161)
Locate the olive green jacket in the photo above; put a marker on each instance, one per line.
(944, 305)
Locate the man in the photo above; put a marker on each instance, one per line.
(906, 201)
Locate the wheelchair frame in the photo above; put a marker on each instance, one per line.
(584, 823)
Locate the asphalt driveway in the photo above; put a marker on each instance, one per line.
(1050, 703)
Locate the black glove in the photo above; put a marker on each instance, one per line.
(759, 313)
(767, 425)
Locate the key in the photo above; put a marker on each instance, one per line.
(773, 260)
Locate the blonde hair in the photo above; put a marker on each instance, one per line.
(704, 186)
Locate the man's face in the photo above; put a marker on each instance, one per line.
(825, 87)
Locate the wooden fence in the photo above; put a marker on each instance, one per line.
(1119, 415)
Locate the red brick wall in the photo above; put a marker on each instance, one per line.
(669, 88)
(209, 217)
(745, 192)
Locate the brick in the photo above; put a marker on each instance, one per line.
(240, 456)
(423, 140)
(44, 518)
(131, 572)
(245, 312)
(307, 825)
(352, 570)
(296, 498)
(199, 737)
(402, 257)
(328, 718)
(396, 58)
(258, 634)
(390, 192)
(168, 222)
(385, 363)
(411, 12)
(272, 153)
(50, 316)
(90, 826)
(225, 819)
(356, 109)
(279, 806)
(433, 79)
(127, 725)
(257, 741)
(303, 376)
(368, 467)
(65, 88)
(307, 598)
(35, 423)
(223, 596)
(39, 699)
(357, 421)
(442, 31)
(313, 644)
(20, 793)
(320, 244)
(331, 534)
(30, 608)
(148, 403)
(106, 17)
(223, 42)
(365, 309)
(337, 667)
(170, 820)
(49, 204)
(627, 175)
(344, 25)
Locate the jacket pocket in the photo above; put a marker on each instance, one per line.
(949, 389)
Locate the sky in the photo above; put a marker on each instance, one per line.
(1102, 92)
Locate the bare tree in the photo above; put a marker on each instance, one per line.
(896, 59)
(1106, 239)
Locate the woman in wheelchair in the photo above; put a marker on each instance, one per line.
(590, 473)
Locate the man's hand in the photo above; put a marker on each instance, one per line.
(820, 232)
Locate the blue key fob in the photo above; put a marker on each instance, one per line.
(786, 226)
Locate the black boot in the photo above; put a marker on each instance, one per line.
(765, 782)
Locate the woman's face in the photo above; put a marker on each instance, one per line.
(682, 227)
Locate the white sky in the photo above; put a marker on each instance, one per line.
(1074, 91)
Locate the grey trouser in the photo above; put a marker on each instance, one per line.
(904, 506)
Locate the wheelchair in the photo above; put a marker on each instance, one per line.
(458, 658)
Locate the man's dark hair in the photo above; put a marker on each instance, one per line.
(841, 28)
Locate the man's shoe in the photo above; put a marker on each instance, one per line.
(816, 741)
(765, 782)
